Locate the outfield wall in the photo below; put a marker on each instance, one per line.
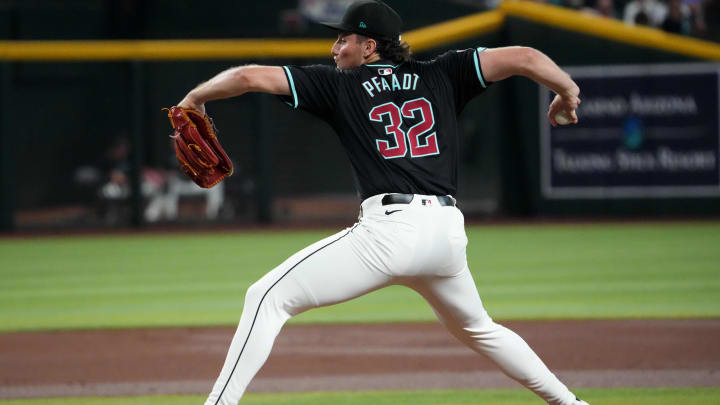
(65, 109)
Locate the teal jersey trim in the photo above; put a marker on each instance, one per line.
(477, 66)
(292, 88)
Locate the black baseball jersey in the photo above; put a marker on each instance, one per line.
(397, 123)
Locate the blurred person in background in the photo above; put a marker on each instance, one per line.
(116, 190)
(698, 26)
(645, 12)
(574, 4)
(678, 20)
(179, 186)
(602, 8)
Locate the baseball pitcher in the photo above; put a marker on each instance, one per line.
(397, 120)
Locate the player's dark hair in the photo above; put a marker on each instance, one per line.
(397, 51)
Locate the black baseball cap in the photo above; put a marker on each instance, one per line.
(371, 18)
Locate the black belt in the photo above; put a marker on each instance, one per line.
(444, 200)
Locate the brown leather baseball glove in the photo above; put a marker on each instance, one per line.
(197, 148)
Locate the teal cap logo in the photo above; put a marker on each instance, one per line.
(362, 24)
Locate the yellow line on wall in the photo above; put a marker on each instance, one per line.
(455, 30)
(611, 29)
(424, 38)
(162, 50)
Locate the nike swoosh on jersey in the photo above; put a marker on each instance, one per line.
(391, 212)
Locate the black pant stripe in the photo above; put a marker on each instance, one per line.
(260, 304)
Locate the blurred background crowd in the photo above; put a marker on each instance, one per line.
(137, 19)
(686, 17)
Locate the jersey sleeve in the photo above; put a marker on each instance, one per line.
(463, 69)
(313, 88)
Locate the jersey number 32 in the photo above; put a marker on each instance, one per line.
(419, 108)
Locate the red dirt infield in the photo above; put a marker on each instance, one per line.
(600, 353)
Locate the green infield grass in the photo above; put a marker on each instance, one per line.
(669, 270)
(625, 396)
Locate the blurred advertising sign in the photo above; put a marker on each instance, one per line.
(644, 131)
(323, 10)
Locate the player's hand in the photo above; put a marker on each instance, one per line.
(189, 103)
(565, 106)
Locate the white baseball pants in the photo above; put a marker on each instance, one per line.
(420, 245)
